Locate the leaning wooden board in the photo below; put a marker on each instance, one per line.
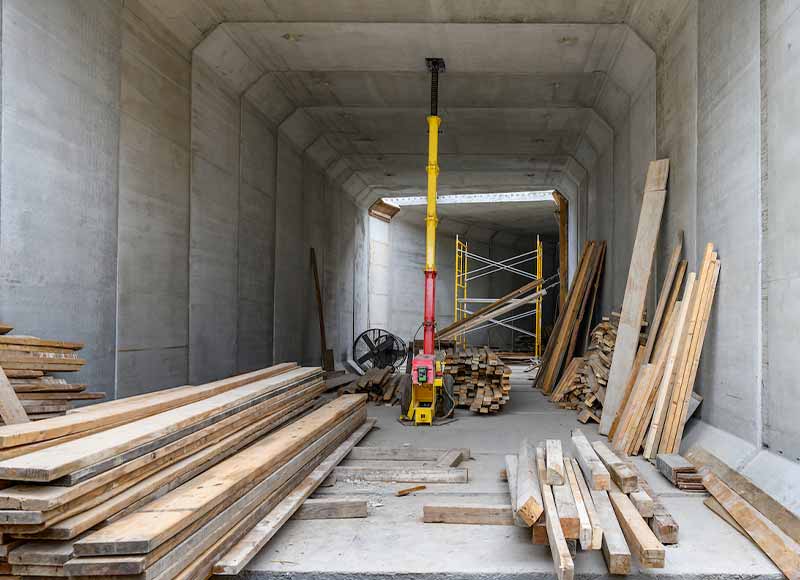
(636, 289)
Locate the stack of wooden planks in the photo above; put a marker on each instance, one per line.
(572, 326)
(754, 513)
(170, 484)
(28, 361)
(481, 382)
(657, 397)
(590, 501)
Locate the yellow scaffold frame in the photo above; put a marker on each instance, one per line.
(460, 288)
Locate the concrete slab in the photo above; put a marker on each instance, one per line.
(393, 542)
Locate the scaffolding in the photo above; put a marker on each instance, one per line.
(489, 266)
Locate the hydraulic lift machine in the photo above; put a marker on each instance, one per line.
(427, 382)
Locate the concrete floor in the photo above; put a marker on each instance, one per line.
(393, 542)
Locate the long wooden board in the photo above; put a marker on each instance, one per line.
(636, 289)
(57, 461)
(126, 410)
(482, 515)
(666, 290)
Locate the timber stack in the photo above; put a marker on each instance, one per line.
(180, 483)
(481, 382)
(28, 363)
(379, 384)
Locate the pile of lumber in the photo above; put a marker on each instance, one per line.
(380, 385)
(754, 513)
(572, 326)
(592, 500)
(174, 484)
(481, 382)
(680, 472)
(657, 396)
(28, 361)
(582, 385)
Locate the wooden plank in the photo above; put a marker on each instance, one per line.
(666, 291)
(243, 550)
(529, 506)
(632, 378)
(402, 474)
(42, 553)
(625, 478)
(712, 504)
(596, 474)
(401, 453)
(636, 289)
(667, 379)
(33, 341)
(11, 410)
(750, 492)
(511, 477)
(588, 502)
(638, 534)
(54, 462)
(585, 525)
(331, 508)
(562, 560)
(482, 515)
(778, 546)
(555, 463)
(130, 409)
(145, 529)
(615, 549)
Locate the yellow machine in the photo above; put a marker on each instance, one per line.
(427, 384)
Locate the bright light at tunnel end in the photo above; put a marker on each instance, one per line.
(501, 197)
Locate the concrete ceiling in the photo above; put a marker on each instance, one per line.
(533, 92)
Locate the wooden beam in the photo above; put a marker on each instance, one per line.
(596, 474)
(402, 454)
(615, 549)
(555, 463)
(588, 502)
(482, 515)
(639, 535)
(562, 560)
(642, 502)
(625, 478)
(585, 529)
(778, 546)
(511, 479)
(636, 289)
(529, 504)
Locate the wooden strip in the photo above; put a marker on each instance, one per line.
(588, 502)
(625, 478)
(331, 508)
(528, 506)
(54, 462)
(596, 474)
(750, 492)
(128, 409)
(482, 515)
(555, 463)
(585, 525)
(636, 290)
(33, 341)
(402, 474)
(615, 549)
(778, 546)
(649, 550)
(242, 550)
(11, 409)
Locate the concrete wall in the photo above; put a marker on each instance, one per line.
(60, 160)
(144, 199)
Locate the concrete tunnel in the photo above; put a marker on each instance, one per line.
(166, 167)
